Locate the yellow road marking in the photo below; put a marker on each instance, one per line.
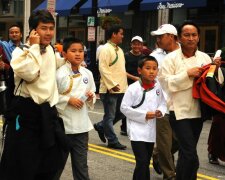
(130, 158)
(111, 150)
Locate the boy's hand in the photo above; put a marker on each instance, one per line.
(150, 115)
(90, 95)
(158, 114)
(76, 103)
(34, 37)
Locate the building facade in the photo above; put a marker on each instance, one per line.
(139, 17)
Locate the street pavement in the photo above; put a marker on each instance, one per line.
(110, 164)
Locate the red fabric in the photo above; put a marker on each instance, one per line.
(200, 91)
(148, 86)
(4, 58)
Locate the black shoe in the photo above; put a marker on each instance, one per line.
(100, 133)
(123, 133)
(117, 146)
(156, 166)
(213, 159)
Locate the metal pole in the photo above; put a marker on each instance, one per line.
(26, 17)
(93, 65)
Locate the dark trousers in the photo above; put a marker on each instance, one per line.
(143, 153)
(187, 132)
(78, 152)
(166, 146)
(27, 155)
(112, 114)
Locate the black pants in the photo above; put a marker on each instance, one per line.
(187, 132)
(26, 155)
(143, 153)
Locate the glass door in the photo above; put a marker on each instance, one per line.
(209, 39)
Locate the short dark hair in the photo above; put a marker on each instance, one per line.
(68, 41)
(180, 28)
(144, 59)
(38, 16)
(113, 29)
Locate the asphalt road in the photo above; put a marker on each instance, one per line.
(109, 164)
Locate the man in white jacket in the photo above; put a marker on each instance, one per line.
(179, 69)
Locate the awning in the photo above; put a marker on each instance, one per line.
(114, 5)
(63, 7)
(171, 4)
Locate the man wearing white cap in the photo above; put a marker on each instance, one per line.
(132, 57)
(166, 39)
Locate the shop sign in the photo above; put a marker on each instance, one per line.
(91, 34)
(169, 5)
(104, 11)
(91, 21)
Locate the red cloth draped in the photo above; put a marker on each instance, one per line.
(201, 91)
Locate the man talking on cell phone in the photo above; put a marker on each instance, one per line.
(32, 150)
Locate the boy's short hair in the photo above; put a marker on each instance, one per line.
(38, 16)
(68, 41)
(144, 59)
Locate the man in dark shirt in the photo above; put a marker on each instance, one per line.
(132, 57)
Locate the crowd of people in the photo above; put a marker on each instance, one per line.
(150, 91)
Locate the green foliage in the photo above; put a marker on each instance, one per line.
(107, 21)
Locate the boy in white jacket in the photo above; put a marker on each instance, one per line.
(76, 88)
(142, 103)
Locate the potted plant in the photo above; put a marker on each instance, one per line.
(106, 21)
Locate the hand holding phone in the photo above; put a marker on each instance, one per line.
(34, 37)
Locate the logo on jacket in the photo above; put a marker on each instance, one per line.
(157, 92)
(85, 80)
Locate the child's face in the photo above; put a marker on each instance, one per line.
(74, 54)
(149, 71)
(46, 32)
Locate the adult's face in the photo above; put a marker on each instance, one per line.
(189, 37)
(118, 37)
(15, 34)
(164, 41)
(136, 46)
(46, 32)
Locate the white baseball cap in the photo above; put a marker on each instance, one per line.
(138, 38)
(164, 29)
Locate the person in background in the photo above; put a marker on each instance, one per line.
(216, 139)
(132, 57)
(166, 142)
(179, 69)
(15, 37)
(142, 103)
(100, 45)
(33, 149)
(113, 84)
(145, 50)
(74, 102)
